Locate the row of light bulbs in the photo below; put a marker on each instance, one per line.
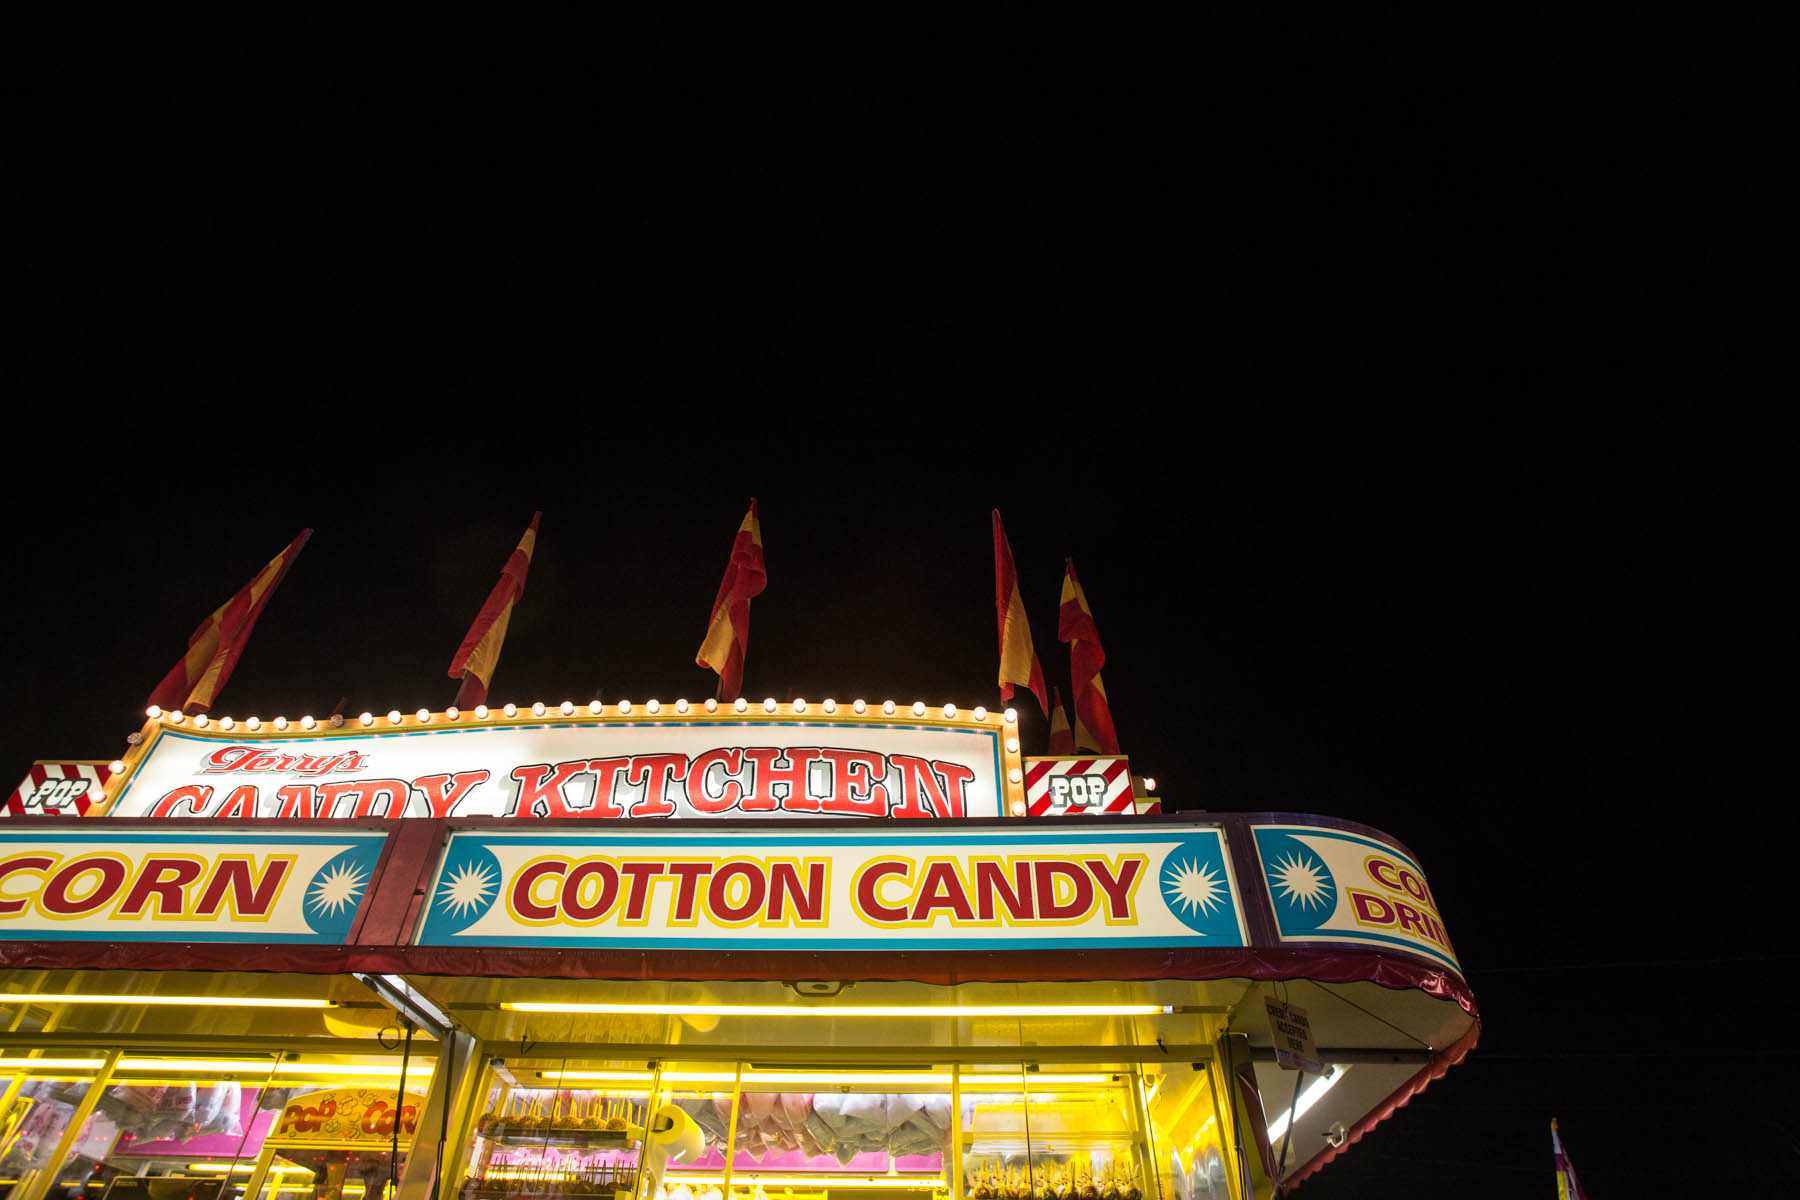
(481, 712)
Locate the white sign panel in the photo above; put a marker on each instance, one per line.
(602, 770)
(836, 889)
(1331, 885)
(86, 884)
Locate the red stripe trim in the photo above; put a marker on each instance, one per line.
(1036, 771)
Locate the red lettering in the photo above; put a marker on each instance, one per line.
(606, 778)
(393, 792)
(856, 788)
(1382, 872)
(991, 881)
(718, 891)
(161, 879)
(1411, 921)
(249, 896)
(1081, 891)
(686, 874)
(24, 862)
(1371, 909)
(241, 803)
(540, 784)
(1117, 888)
(442, 792)
(638, 897)
(607, 874)
(786, 893)
(940, 888)
(298, 800)
(226, 757)
(56, 898)
(868, 890)
(196, 795)
(521, 900)
(730, 790)
(656, 772)
(922, 785)
(796, 796)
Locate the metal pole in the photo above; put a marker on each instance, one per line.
(1287, 1138)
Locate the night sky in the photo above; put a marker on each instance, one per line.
(1406, 395)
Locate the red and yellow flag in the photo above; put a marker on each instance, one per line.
(195, 682)
(1567, 1186)
(1061, 740)
(1075, 625)
(1018, 659)
(479, 654)
(728, 633)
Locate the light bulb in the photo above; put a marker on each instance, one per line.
(116, 765)
(1018, 808)
(769, 704)
(227, 723)
(481, 712)
(510, 709)
(1149, 784)
(887, 706)
(307, 722)
(681, 706)
(253, 724)
(918, 708)
(153, 712)
(453, 713)
(200, 720)
(594, 707)
(537, 708)
(624, 707)
(568, 708)
(652, 706)
(949, 710)
(366, 719)
(980, 713)
(1015, 775)
(799, 706)
(424, 715)
(741, 704)
(281, 722)
(830, 705)
(712, 705)
(1012, 745)
(860, 707)
(1012, 716)
(393, 716)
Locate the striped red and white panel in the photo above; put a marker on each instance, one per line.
(1058, 786)
(58, 789)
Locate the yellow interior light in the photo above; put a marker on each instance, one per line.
(184, 1001)
(753, 1078)
(911, 1182)
(844, 1010)
(246, 1168)
(419, 1071)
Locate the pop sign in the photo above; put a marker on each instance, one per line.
(791, 764)
(1328, 885)
(842, 889)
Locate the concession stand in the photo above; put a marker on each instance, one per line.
(689, 951)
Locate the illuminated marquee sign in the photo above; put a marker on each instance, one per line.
(841, 889)
(791, 764)
(132, 886)
(1328, 885)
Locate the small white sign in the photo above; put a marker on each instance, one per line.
(1292, 1034)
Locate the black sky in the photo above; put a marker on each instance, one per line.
(1405, 388)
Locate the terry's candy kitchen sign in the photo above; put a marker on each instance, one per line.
(793, 763)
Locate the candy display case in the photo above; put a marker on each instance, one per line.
(555, 1142)
(1070, 1141)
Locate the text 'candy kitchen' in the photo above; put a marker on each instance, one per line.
(724, 949)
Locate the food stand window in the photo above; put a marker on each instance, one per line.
(129, 1126)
